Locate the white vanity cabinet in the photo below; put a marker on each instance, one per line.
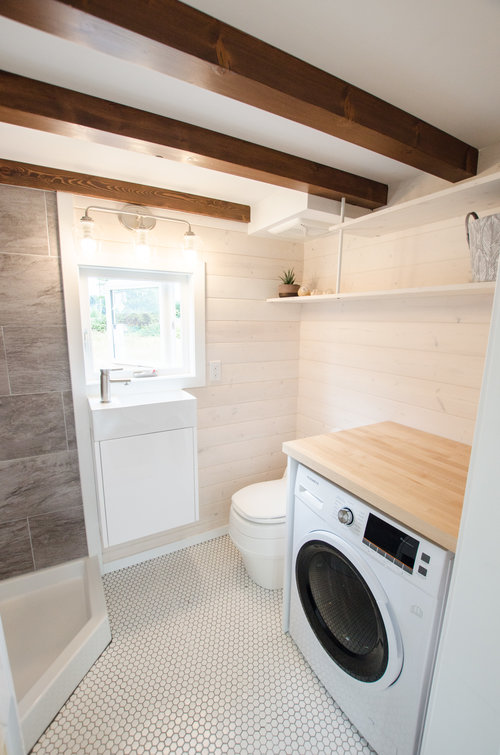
(145, 462)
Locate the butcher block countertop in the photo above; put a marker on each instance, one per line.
(414, 477)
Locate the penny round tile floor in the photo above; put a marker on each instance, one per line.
(198, 664)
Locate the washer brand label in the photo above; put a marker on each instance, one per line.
(311, 479)
(417, 611)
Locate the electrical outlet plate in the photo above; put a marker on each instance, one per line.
(214, 371)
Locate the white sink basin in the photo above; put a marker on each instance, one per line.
(142, 413)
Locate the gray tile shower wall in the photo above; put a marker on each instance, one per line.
(41, 512)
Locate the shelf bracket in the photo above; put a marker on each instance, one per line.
(341, 241)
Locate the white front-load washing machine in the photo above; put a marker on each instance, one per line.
(367, 597)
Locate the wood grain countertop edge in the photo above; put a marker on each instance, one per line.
(421, 461)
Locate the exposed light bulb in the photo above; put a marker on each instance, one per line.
(141, 224)
(189, 239)
(141, 246)
(87, 242)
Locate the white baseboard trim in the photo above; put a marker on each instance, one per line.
(138, 558)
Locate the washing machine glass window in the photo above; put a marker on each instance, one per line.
(342, 610)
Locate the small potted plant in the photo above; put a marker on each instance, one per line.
(288, 287)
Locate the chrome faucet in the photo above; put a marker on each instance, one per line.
(105, 383)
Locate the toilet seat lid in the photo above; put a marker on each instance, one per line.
(262, 502)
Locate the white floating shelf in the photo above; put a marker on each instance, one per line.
(449, 290)
(479, 194)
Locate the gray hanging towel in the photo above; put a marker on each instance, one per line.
(483, 237)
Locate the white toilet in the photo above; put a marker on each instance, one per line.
(257, 529)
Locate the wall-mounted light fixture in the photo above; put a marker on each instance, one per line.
(87, 241)
(134, 218)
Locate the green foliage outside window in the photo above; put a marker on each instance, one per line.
(98, 314)
(138, 308)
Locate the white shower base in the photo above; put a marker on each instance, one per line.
(56, 626)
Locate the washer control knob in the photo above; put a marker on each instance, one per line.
(345, 516)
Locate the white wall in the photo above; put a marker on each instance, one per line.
(464, 709)
(244, 419)
(418, 360)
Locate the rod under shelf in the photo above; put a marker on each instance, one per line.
(341, 240)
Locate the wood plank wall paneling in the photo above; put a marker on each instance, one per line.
(244, 419)
(427, 256)
(418, 361)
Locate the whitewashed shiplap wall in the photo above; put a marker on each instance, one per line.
(244, 419)
(418, 361)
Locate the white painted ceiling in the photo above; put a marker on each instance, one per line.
(437, 59)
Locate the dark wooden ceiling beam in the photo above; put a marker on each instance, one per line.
(35, 104)
(171, 37)
(57, 179)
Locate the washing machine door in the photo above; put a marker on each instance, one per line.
(348, 609)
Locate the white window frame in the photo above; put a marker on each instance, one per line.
(162, 279)
(169, 264)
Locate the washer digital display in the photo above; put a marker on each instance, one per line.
(391, 542)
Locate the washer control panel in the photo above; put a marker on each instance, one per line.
(345, 516)
(340, 512)
(394, 544)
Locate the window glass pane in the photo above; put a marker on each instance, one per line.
(135, 317)
(98, 321)
(342, 610)
(136, 322)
